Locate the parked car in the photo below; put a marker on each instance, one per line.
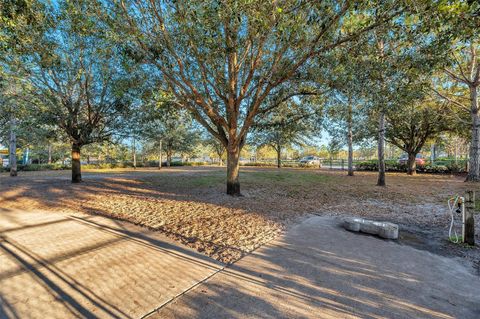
(420, 160)
(310, 160)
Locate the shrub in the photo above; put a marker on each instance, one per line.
(437, 169)
(259, 164)
(390, 166)
(42, 167)
(367, 166)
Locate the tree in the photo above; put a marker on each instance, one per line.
(8, 119)
(294, 122)
(16, 127)
(397, 58)
(20, 23)
(409, 127)
(465, 71)
(217, 147)
(221, 60)
(77, 82)
(171, 129)
(345, 109)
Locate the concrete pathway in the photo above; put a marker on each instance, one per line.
(62, 266)
(319, 270)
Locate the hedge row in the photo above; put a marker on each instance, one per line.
(49, 167)
(391, 166)
(37, 167)
(394, 166)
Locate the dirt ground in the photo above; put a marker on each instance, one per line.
(189, 204)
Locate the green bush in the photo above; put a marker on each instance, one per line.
(437, 169)
(258, 164)
(100, 166)
(367, 166)
(392, 166)
(458, 167)
(151, 164)
(195, 163)
(42, 167)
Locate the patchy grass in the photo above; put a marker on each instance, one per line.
(456, 240)
(289, 178)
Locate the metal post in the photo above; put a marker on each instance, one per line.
(468, 230)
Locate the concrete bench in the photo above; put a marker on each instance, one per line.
(382, 229)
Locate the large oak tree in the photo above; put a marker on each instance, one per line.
(222, 59)
(75, 78)
(409, 126)
(461, 87)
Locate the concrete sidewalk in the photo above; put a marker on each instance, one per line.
(62, 266)
(319, 270)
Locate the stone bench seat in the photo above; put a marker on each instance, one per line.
(383, 229)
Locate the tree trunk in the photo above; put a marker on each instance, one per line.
(432, 153)
(233, 167)
(474, 162)
(76, 165)
(381, 149)
(169, 158)
(160, 156)
(26, 156)
(49, 153)
(279, 154)
(412, 164)
(134, 155)
(13, 148)
(350, 142)
(456, 151)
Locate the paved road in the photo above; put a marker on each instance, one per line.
(62, 266)
(319, 270)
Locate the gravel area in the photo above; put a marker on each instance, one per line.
(189, 204)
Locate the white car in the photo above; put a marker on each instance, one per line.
(310, 160)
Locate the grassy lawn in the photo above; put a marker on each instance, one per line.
(189, 203)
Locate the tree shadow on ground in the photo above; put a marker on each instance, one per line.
(41, 278)
(302, 280)
(316, 280)
(189, 204)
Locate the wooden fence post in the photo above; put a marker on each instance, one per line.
(469, 224)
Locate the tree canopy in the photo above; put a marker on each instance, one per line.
(167, 73)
